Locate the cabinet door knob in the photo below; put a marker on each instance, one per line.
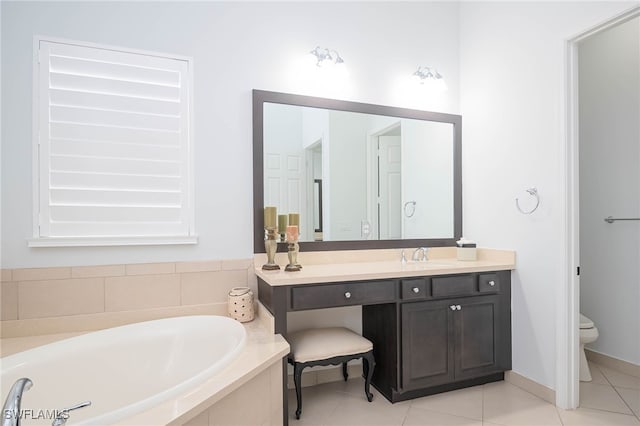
(452, 307)
(492, 283)
(347, 295)
(416, 290)
(458, 307)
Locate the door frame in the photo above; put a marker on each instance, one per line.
(372, 170)
(568, 295)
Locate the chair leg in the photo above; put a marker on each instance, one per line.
(297, 380)
(368, 364)
(345, 374)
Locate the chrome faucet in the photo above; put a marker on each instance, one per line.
(11, 409)
(63, 415)
(416, 256)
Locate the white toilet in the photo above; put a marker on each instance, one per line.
(588, 334)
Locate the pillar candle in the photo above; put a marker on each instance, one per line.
(292, 233)
(282, 223)
(269, 217)
(294, 219)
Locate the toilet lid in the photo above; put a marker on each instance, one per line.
(585, 322)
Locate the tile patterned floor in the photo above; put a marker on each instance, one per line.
(611, 399)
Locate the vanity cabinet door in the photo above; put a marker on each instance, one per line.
(451, 340)
(427, 344)
(478, 338)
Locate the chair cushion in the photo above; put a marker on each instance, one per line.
(323, 343)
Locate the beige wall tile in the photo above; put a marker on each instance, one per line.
(99, 321)
(53, 298)
(252, 279)
(228, 265)
(210, 287)
(6, 275)
(41, 274)
(143, 292)
(151, 268)
(199, 266)
(9, 305)
(97, 271)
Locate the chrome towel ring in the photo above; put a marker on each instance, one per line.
(534, 193)
(409, 208)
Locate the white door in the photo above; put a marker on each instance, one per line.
(389, 188)
(284, 177)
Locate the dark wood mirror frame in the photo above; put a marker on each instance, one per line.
(261, 96)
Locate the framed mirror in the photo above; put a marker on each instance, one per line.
(361, 176)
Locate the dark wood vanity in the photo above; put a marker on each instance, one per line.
(430, 333)
(433, 328)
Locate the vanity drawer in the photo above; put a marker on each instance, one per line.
(459, 285)
(415, 288)
(488, 283)
(342, 294)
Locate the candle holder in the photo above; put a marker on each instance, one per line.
(283, 222)
(292, 252)
(270, 247)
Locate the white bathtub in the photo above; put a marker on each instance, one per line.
(123, 370)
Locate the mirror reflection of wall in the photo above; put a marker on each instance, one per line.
(379, 177)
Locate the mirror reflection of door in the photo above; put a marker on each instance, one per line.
(284, 177)
(284, 164)
(389, 185)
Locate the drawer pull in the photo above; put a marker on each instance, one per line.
(347, 295)
(416, 290)
(492, 283)
(453, 307)
(458, 307)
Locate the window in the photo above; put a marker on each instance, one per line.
(113, 148)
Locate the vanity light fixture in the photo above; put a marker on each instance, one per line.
(326, 56)
(430, 76)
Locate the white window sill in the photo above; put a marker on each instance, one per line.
(111, 241)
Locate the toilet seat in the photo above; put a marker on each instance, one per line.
(585, 322)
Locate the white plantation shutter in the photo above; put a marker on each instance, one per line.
(114, 144)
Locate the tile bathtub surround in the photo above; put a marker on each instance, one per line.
(77, 293)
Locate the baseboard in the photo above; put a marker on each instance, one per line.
(535, 388)
(318, 375)
(608, 361)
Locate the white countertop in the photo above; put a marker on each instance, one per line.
(488, 260)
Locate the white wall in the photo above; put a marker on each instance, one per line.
(236, 47)
(427, 167)
(609, 93)
(513, 104)
(348, 174)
